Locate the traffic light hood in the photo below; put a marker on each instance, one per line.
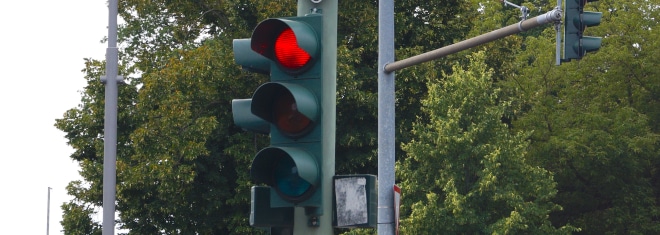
(303, 171)
(294, 45)
(249, 59)
(267, 95)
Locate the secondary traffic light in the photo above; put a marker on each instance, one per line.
(576, 20)
(289, 108)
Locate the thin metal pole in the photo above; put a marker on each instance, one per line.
(110, 124)
(558, 37)
(386, 117)
(522, 26)
(48, 213)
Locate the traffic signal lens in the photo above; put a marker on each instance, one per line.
(287, 51)
(287, 179)
(287, 117)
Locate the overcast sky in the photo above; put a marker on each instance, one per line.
(43, 43)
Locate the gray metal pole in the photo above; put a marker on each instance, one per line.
(110, 124)
(386, 117)
(48, 213)
(558, 37)
(522, 26)
(328, 10)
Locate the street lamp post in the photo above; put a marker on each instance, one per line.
(48, 213)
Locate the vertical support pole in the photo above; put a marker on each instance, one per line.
(558, 37)
(328, 10)
(48, 213)
(110, 123)
(386, 117)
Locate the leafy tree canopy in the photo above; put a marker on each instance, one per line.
(502, 141)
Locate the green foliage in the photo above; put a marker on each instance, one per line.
(421, 27)
(465, 172)
(84, 130)
(500, 142)
(595, 121)
(78, 213)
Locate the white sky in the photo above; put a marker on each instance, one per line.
(43, 43)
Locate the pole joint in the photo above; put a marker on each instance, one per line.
(120, 80)
(523, 9)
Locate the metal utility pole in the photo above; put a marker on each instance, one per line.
(549, 17)
(558, 36)
(386, 95)
(386, 117)
(111, 81)
(48, 213)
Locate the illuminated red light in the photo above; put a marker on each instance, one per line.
(287, 51)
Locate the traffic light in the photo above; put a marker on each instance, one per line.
(289, 108)
(576, 20)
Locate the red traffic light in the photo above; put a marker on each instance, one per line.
(293, 45)
(288, 53)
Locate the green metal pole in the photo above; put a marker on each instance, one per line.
(328, 8)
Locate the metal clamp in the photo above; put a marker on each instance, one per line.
(523, 9)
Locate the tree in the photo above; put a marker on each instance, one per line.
(182, 164)
(594, 121)
(465, 172)
(84, 130)
(421, 26)
(78, 213)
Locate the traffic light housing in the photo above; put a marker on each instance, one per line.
(576, 20)
(288, 107)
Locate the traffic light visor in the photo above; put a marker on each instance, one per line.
(587, 19)
(292, 108)
(287, 179)
(286, 116)
(292, 172)
(243, 117)
(294, 45)
(587, 44)
(249, 59)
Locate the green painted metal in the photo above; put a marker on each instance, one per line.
(244, 118)
(304, 159)
(265, 165)
(319, 220)
(249, 59)
(290, 166)
(576, 20)
(263, 98)
(263, 215)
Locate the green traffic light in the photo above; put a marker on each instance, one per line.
(288, 181)
(576, 20)
(588, 19)
(587, 44)
(292, 172)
